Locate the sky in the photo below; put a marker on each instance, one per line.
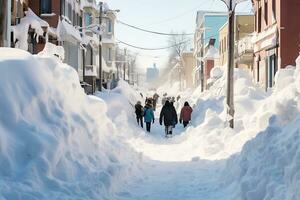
(160, 16)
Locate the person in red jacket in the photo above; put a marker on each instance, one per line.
(186, 114)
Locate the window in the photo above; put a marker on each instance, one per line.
(19, 12)
(62, 7)
(255, 21)
(69, 11)
(109, 54)
(45, 7)
(274, 8)
(259, 20)
(74, 18)
(77, 20)
(109, 26)
(80, 21)
(266, 12)
(87, 19)
(12, 6)
(225, 44)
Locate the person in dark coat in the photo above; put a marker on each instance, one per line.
(139, 112)
(168, 115)
(148, 116)
(186, 114)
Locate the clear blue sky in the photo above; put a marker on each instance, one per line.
(161, 16)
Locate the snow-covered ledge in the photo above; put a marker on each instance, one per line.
(31, 20)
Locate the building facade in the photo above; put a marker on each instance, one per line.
(109, 45)
(207, 30)
(74, 25)
(188, 63)
(276, 39)
(244, 27)
(91, 42)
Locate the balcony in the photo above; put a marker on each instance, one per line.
(245, 46)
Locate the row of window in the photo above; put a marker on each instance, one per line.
(67, 10)
(258, 14)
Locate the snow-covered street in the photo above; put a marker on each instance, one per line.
(149, 100)
(166, 176)
(55, 148)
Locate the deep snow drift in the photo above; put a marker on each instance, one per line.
(261, 153)
(58, 143)
(55, 142)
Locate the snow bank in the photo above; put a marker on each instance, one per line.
(53, 50)
(55, 142)
(268, 167)
(121, 99)
(208, 136)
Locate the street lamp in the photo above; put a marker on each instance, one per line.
(100, 41)
(231, 5)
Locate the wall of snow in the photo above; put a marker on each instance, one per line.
(55, 142)
(268, 166)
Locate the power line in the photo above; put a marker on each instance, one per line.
(154, 32)
(177, 16)
(161, 48)
(153, 49)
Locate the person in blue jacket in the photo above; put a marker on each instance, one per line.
(148, 116)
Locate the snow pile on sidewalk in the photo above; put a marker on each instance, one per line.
(208, 137)
(269, 167)
(121, 99)
(55, 142)
(120, 109)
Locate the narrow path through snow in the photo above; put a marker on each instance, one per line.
(167, 174)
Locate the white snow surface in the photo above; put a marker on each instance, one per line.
(55, 142)
(58, 143)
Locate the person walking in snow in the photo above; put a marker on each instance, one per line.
(148, 116)
(139, 112)
(172, 100)
(155, 99)
(164, 99)
(168, 115)
(185, 114)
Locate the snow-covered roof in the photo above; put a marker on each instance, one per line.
(89, 4)
(31, 20)
(212, 53)
(94, 41)
(66, 30)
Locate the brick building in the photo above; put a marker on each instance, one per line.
(276, 39)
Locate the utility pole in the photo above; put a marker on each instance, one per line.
(100, 47)
(230, 67)
(125, 63)
(202, 75)
(128, 71)
(231, 4)
(3, 22)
